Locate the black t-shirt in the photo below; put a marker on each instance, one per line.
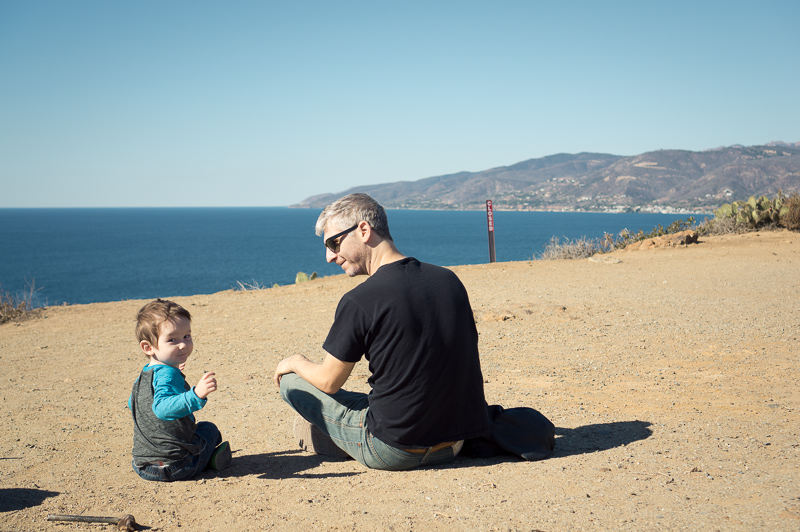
(413, 322)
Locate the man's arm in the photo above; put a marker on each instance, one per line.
(328, 377)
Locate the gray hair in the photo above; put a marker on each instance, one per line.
(353, 209)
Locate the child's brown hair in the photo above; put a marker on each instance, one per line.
(153, 314)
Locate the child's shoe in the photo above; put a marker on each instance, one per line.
(221, 457)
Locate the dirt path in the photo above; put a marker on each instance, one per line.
(671, 376)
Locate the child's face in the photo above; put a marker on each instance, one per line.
(174, 343)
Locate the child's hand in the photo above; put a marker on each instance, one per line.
(181, 367)
(206, 385)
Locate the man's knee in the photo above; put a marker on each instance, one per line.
(288, 382)
(295, 389)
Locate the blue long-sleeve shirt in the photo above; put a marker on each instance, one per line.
(171, 400)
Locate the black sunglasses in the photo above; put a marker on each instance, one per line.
(331, 243)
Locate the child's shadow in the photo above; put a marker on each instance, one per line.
(279, 465)
(15, 499)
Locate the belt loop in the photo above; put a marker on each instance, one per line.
(425, 456)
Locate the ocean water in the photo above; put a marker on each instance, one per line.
(90, 255)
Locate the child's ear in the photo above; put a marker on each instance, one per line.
(147, 348)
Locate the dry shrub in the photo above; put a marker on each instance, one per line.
(791, 220)
(249, 286)
(11, 309)
(723, 226)
(579, 248)
(14, 308)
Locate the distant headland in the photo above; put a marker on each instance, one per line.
(662, 181)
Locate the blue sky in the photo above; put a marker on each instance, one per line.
(179, 103)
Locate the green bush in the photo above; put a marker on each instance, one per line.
(584, 247)
(736, 217)
(625, 237)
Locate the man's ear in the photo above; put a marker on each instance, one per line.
(147, 348)
(365, 231)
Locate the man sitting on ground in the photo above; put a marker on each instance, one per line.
(413, 323)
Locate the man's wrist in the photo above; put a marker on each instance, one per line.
(293, 362)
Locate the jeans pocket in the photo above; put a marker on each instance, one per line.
(383, 456)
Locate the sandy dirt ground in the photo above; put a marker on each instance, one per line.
(671, 375)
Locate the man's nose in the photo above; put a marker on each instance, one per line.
(330, 256)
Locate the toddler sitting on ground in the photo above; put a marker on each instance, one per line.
(167, 442)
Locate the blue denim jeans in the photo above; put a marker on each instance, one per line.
(342, 417)
(190, 465)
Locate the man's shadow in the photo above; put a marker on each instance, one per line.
(291, 463)
(280, 465)
(12, 499)
(581, 440)
(599, 437)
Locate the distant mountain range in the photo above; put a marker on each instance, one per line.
(657, 181)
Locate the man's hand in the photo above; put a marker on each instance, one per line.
(206, 385)
(287, 365)
(329, 376)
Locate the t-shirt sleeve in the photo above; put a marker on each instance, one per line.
(350, 330)
(170, 399)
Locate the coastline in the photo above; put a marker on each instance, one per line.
(669, 375)
(91, 255)
(616, 209)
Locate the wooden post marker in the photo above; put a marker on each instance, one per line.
(490, 224)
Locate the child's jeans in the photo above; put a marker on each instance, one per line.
(190, 465)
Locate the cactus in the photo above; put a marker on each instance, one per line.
(755, 211)
(302, 277)
(726, 211)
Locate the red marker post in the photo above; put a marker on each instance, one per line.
(490, 224)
